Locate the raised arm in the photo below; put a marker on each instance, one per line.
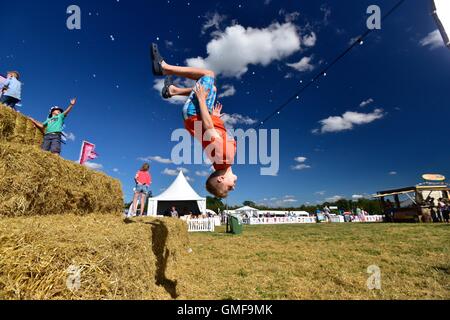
(202, 95)
(70, 107)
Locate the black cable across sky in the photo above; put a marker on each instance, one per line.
(324, 71)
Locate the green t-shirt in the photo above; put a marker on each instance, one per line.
(55, 124)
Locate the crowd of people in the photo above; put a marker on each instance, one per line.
(439, 210)
(52, 127)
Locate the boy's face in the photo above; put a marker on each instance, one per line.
(11, 75)
(223, 184)
(56, 112)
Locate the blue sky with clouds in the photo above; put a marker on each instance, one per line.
(379, 119)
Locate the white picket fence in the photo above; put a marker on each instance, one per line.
(201, 225)
(280, 220)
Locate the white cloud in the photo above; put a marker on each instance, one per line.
(393, 173)
(303, 65)
(156, 159)
(202, 173)
(334, 199)
(228, 91)
(320, 193)
(309, 40)
(94, 166)
(213, 20)
(366, 102)
(69, 136)
(159, 84)
(232, 51)
(116, 170)
(357, 196)
(235, 119)
(289, 17)
(433, 40)
(348, 120)
(301, 159)
(173, 172)
(299, 167)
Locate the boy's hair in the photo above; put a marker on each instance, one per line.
(15, 73)
(211, 186)
(145, 167)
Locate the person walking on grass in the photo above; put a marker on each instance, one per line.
(143, 181)
(11, 92)
(53, 128)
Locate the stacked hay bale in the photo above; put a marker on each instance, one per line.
(60, 220)
(14, 127)
(92, 257)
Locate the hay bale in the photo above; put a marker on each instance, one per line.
(15, 127)
(114, 260)
(33, 182)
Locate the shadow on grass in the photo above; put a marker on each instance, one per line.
(160, 233)
(159, 241)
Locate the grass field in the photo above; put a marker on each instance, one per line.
(319, 262)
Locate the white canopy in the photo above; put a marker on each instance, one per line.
(181, 195)
(246, 209)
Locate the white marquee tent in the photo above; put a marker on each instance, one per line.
(180, 195)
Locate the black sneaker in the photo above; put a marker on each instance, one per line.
(165, 92)
(156, 60)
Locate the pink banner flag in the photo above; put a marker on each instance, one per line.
(87, 152)
(2, 80)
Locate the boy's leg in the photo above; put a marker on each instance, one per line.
(176, 91)
(186, 72)
(55, 147)
(46, 144)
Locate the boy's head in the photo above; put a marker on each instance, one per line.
(14, 74)
(55, 111)
(145, 167)
(221, 182)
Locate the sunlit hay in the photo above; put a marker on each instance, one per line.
(34, 182)
(92, 257)
(15, 127)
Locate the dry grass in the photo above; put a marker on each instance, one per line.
(33, 182)
(320, 262)
(14, 127)
(117, 259)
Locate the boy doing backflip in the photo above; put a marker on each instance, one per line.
(202, 120)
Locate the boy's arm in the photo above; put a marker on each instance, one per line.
(39, 125)
(202, 94)
(70, 107)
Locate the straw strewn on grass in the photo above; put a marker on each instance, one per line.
(117, 259)
(33, 182)
(15, 127)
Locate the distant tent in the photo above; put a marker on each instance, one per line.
(249, 211)
(180, 195)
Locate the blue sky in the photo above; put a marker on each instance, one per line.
(401, 72)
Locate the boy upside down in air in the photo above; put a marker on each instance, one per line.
(202, 120)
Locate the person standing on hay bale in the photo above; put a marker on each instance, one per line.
(143, 181)
(53, 128)
(202, 118)
(11, 92)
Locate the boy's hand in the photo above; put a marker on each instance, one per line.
(217, 112)
(201, 92)
(73, 101)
